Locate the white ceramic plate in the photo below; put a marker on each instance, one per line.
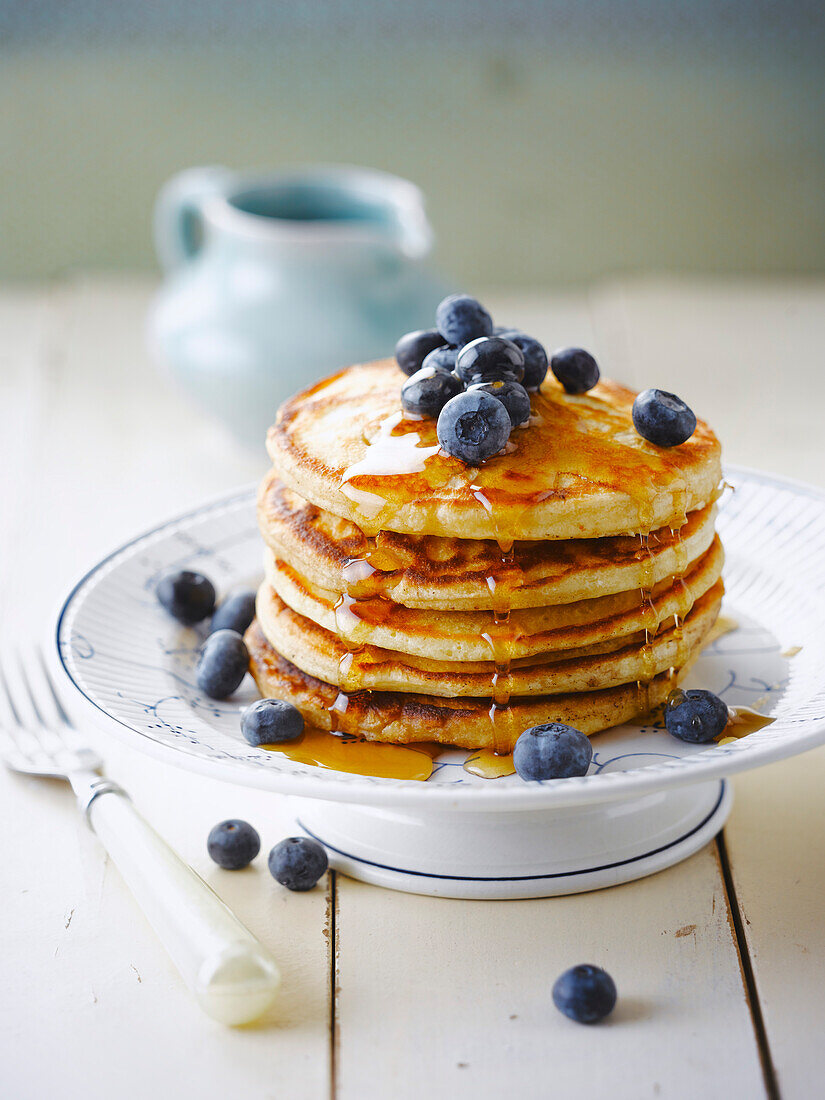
(134, 665)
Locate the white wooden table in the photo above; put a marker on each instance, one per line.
(719, 961)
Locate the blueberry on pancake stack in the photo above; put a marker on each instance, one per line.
(494, 542)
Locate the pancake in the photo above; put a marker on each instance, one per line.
(401, 718)
(577, 469)
(450, 573)
(323, 655)
(480, 635)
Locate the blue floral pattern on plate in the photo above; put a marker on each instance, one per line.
(136, 666)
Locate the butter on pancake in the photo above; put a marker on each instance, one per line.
(578, 469)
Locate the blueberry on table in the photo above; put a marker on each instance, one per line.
(490, 359)
(428, 391)
(233, 844)
(513, 396)
(535, 357)
(663, 418)
(441, 359)
(461, 319)
(585, 993)
(411, 349)
(189, 597)
(271, 722)
(552, 751)
(236, 612)
(222, 664)
(297, 862)
(575, 368)
(695, 715)
(473, 426)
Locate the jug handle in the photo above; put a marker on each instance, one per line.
(177, 217)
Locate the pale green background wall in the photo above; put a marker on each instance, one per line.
(556, 141)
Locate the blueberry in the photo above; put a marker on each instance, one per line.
(553, 751)
(411, 349)
(473, 426)
(489, 359)
(428, 391)
(233, 844)
(236, 612)
(188, 596)
(663, 418)
(535, 357)
(222, 664)
(271, 721)
(513, 396)
(585, 994)
(461, 319)
(297, 862)
(575, 368)
(695, 715)
(441, 359)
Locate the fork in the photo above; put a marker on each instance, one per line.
(231, 974)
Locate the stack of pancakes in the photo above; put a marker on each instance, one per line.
(409, 597)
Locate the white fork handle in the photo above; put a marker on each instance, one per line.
(232, 975)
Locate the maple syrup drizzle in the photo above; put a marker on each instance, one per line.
(338, 708)
(500, 637)
(396, 449)
(650, 622)
(741, 722)
(345, 753)
(356, 610)
(489, 764)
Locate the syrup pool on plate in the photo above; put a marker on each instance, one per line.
(356, 755)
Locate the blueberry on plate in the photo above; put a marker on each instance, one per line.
(461, 319)
(222, 664)
(297, 862)
(513, 396)
(473, 426)
(441, 359)
(488, 359)
(585, 993)
(189, 597)
(695, 715)
(271, 722)
(663, 418)
(233, 844)
(236, 612)
(428, 391)
(575, 368)
(552, 751)
(411, 349)
(535, 357)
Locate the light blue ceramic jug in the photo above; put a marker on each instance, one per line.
(274, 282)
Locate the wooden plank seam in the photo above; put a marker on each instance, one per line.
(748, 977)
